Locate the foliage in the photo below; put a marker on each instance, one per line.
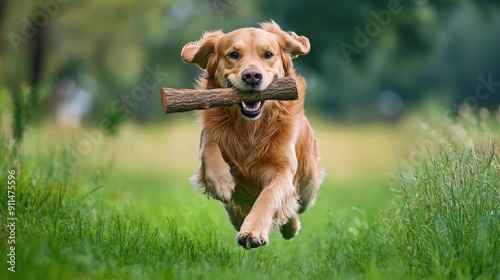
(448, 225)
(415, 49)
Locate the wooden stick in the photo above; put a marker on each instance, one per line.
(181, 100)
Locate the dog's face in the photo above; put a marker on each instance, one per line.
(247, 59)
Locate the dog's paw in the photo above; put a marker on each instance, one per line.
(252, 239)
(220, 183)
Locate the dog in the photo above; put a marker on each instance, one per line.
(260, 159)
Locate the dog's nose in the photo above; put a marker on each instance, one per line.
(251, 76)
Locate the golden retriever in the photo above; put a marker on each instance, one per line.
(259, 159)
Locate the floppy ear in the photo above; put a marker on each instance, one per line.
(298, 45)
(200, 51)
(295, 44)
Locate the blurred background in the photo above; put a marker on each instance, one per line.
(105, 61)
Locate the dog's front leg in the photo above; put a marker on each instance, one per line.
(276, 204)
(214, 174)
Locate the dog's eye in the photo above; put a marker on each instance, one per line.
(234, 55)
(268, 55)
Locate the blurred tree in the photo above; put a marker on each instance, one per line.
(364, 48)
(25, 107)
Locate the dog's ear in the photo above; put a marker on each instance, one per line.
(298, 45)
(200, 51)
(295, 44)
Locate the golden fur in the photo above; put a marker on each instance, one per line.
(265, 168)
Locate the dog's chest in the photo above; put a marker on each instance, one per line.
(248, 152)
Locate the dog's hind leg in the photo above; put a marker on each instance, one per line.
(291, 228)
(235, 216)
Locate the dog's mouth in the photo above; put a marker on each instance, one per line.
(251, 110)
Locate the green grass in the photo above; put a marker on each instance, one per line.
(449, 224)
(126, 210)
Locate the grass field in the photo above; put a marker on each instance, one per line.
(90, 206)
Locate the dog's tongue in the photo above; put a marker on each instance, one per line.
(251, 105)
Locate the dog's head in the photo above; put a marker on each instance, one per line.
(247, 59)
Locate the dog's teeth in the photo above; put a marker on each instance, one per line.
(257, 107)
